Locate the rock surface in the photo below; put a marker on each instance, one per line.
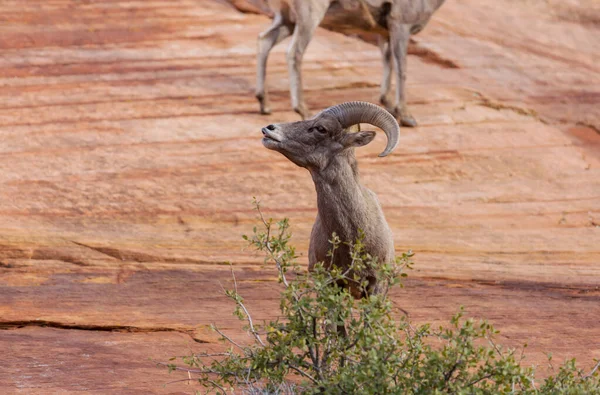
(130, 151)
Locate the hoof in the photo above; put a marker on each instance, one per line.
(408, 121)
(265, 109)
(404, 117)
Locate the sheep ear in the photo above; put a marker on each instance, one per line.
(358, 139)
(353, 128)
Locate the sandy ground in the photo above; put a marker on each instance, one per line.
(130, 151)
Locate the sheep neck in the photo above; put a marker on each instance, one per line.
(341, 199)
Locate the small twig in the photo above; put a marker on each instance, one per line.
(333, 248)
(248, 375)
(590, 374)
(315, 362)
(314, 325)
(386, 333)
(217, 385)
(487, 376)
(349, 346)
(522, 357)
(343, 276)
(230, 340)
(405, 312)
(185, 369)
(218, 354)
(392, 351)
(248, 317)
(279, 266)
(448, 374)
(304, 374)
(179, 381)
(494, 345)
(326, 353)
(268, 246)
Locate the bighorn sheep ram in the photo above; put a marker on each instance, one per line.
(325, 147)
(393, 20)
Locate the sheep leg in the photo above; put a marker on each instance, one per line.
(266, 41)
(399, 35)
(386, 82)
(307, 22)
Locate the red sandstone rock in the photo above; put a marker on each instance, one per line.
(130, 151)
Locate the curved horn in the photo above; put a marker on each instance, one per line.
(353, 112)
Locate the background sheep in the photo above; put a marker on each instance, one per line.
(393, 20)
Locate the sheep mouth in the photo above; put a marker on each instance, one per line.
(269, 139)
(271, 143)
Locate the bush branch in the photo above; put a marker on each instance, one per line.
(246, 313)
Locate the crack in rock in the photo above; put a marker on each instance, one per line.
(140, 257)
(430, 56)
(487, 102)
(595, 128)
(110, 252)
(11, 325)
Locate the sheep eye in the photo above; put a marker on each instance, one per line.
(320, 129)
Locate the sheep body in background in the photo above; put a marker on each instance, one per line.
(393, 20)
(325, 147)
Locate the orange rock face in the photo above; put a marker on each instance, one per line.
(130, 151)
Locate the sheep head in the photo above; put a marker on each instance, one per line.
(313, 142)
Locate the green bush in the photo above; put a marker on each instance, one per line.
(329, 343)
